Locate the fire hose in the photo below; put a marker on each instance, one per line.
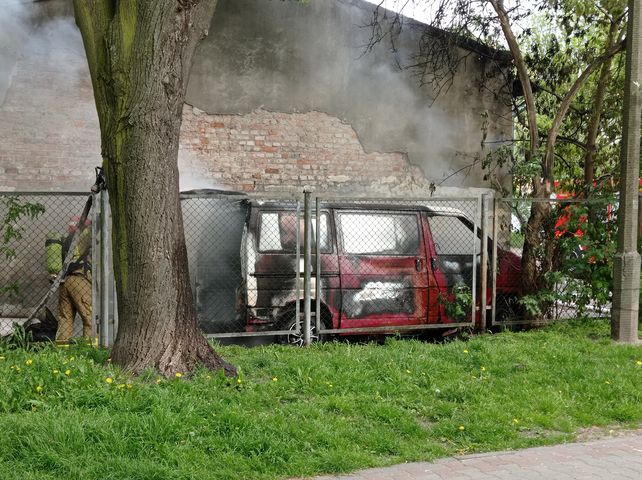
(97, 187)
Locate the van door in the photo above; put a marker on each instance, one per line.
(272, 265)
(383, 270)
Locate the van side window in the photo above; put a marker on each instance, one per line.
(452, 236)
(278, 230)
(379, 233)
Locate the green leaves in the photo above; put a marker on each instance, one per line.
(10, 228)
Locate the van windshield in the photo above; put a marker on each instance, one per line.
(278, 232)
(453, 237)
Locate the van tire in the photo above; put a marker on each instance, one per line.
(295, 338)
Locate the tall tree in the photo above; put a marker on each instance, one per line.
(140, 54)
(541, 114)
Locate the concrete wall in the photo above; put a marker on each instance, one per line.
(279, 97)
(289, 57)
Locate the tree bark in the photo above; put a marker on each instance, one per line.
(598, 104)
(139, 54)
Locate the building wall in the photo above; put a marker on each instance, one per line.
(279, 98)
(301, 57)
(267, 151)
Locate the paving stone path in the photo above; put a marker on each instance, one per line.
(606, 459)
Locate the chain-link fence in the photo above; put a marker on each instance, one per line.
(36, 234)
(571, 247)
(364, 266)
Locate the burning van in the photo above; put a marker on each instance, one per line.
(374, 268)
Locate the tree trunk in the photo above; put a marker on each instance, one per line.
(139, 54)
(598, 105)
(540, 210)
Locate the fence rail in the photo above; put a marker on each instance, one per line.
(299, 266)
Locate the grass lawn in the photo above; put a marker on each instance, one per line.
(334, 407)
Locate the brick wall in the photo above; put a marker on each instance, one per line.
(264, 151)
(49, 137)
(48, 124)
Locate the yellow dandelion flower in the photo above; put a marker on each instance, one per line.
(461, 427)
(55, 371)
(18, 369)
(29, 362)
(67, 372)
(607, 382)
(158, 380)
(178, 374)
(274, 379)
(330, 385)
(13, 367)
(130, 386)
(2, 358)
(120, 386)
(109, 380)
(515, 421)
(238, 380)
(465, 351)
(39, 388)
(407, 371)
(639, 362)
(483, 369)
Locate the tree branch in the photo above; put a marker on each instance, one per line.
(522, 74)
(564, 106)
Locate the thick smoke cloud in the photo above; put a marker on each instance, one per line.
(14, 30)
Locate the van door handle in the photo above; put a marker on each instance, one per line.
(433, 263)
(418, 264)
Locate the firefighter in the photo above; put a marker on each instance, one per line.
(74, 295)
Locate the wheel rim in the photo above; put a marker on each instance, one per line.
(296, 338)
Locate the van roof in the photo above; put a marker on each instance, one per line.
(367, 205)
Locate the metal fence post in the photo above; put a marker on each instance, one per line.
(473, 314)
(317, 284)
(493, 312)
(307, 222)
(297, 304)
(483, 264)
(96, 286)
(104, 270)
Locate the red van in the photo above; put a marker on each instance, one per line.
(382, 267)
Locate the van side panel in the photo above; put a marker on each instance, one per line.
(383, 268)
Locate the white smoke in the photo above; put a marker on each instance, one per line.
(14, 30)
(193, 181)
(193, 174)
(43, 29)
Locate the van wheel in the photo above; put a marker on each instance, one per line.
(296, 338)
